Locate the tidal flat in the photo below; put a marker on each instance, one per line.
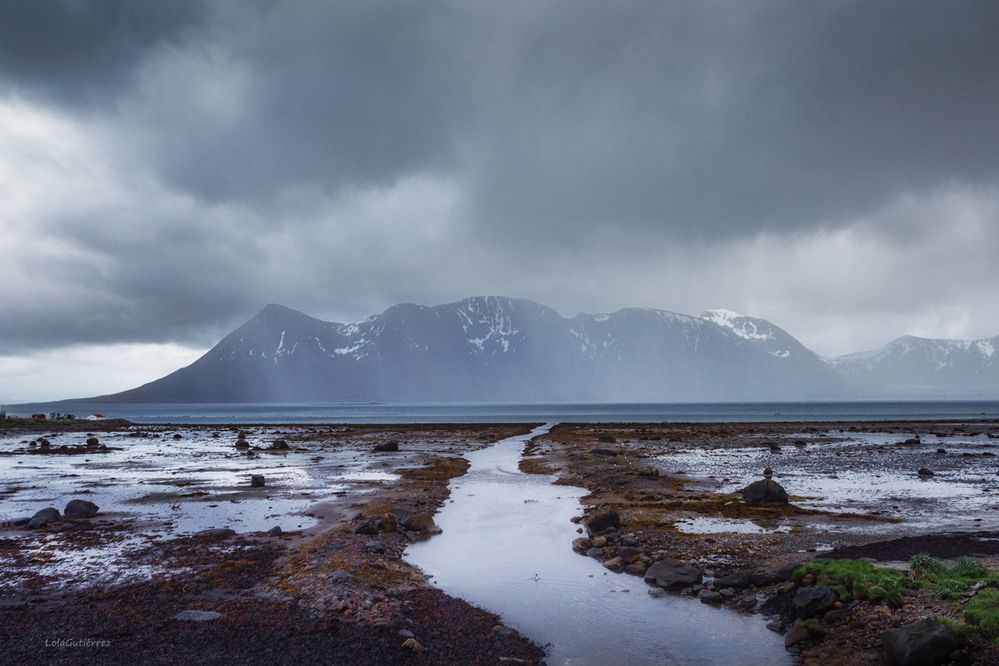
(323, 544)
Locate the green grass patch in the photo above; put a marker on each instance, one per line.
(951, 582)
(856, 579)
(981, 615)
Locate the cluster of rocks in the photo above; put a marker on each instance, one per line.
(243, 444)
(815, 608)
(43, 445)
(75, 509)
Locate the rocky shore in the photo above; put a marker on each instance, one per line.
(165, 544)
(765, 551)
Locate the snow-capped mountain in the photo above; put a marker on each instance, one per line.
(499, 349)
(922, 367)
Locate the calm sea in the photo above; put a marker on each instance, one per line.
(518, 413)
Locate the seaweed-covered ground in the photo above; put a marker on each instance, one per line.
(181, 528)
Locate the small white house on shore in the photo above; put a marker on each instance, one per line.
(96, 417)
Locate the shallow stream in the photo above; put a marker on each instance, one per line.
(506, 547)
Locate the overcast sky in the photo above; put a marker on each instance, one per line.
(167, 168)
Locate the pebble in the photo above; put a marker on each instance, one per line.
(197, 616)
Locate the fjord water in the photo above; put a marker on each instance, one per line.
(472, 412)
(506, 547)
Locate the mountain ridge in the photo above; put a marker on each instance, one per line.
(494, 348)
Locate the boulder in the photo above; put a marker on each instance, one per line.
(420, 522)
(672, 573)
(257, 481)
(93, 442)
(581, 545)
(387, 446)
(44, 517)
(216, 533)
(603, 520)
(79, 508)
(766, 492)
(922, 643)
(275, 531)
(925, 471)
(279, 445)
(811, 601)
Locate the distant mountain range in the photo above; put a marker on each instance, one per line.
(513, 350)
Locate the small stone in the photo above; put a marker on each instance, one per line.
(387, 446)
(279, 445)
(93, 442)
(197, 616)
(257, 481)
(710, 597)
(421, 522)
(581, 545)
(275, 531)
(925, 471)
(216, 533)
(599, 542)
(412, 644)
(406, 633)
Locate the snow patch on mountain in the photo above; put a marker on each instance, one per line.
(742, 326)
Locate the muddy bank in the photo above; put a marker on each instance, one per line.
(109, 589)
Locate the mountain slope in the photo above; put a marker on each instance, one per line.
(923, 367)
(499, 349)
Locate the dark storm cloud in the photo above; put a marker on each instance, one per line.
(567, 143)
(84, 51)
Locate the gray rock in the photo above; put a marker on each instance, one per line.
(766, 492)
(257, 481)
(672, 573)
(216, 533)
(922, 643)
(603, 520)
(811, 601)
(406, 633)
(595, 553)
(44, 517)
(279, 445)
(275, 531)
(924, 471)
(710, 597)
(79, 508)
(197, 616)
(92, 442)
(581, 545)
(387, 446)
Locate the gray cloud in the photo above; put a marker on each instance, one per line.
(194, 160)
